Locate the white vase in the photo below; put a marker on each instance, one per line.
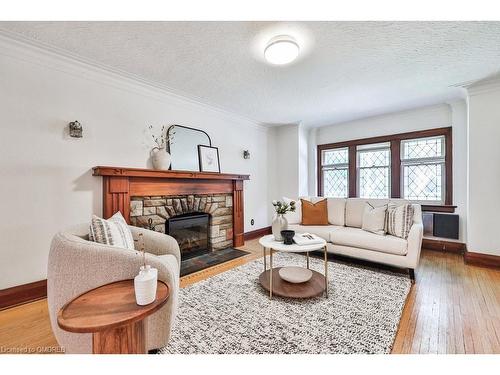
(145, 285)
(160, 158)
(279, 223)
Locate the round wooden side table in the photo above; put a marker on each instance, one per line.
(111, 314)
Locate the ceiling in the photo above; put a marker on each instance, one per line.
(346, 70)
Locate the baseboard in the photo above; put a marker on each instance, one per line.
(483, 260)
(443, 245)
(22, 294)
(257, 233)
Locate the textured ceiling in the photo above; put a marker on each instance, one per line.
(346, 70)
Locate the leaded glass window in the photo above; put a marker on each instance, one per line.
(423, 167)
(374, 170)
(335, 164)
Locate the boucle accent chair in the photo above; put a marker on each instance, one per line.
(77, 265)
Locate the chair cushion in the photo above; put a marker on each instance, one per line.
(314, 213)
(113, 231)
(322, 231)
(359, 238)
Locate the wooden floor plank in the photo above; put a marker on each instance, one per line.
(451, 308)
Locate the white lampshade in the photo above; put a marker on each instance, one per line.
(281, 50)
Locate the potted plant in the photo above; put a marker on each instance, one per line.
(279, 222)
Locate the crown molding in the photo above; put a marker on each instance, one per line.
(482, 86)
(58, 59)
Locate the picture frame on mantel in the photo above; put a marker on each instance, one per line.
(208, 158)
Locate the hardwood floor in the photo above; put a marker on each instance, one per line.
(452, 308)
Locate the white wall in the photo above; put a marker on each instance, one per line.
(286, 156)
(459, 139)
(303, 143)
(46, 183)
(453, 114)
(483, 232)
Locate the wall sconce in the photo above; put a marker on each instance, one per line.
(75, 129)
(246, 154)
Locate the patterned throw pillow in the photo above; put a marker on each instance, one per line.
(113, 231)
(399, 220)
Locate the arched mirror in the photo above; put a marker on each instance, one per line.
(184, 147)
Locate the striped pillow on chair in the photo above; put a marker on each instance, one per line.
(113, 231)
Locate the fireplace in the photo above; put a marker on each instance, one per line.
(191, 232)
(147, 198)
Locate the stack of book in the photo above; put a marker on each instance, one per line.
(303, 239)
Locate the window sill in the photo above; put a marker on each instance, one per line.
(438, 208)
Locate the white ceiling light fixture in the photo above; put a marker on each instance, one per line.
(282, 49)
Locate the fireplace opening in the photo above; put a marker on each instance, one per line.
(191, 232)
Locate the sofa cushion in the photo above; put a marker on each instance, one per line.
(355, 207)
(322, 231)
(374, 219)
(296, 216)
(336, 211)
(359, 238)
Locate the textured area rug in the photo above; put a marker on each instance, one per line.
(231, 313)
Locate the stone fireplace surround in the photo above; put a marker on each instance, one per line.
(121, 184)
(160, 208)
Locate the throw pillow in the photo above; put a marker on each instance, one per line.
(113, 231)
(314, 213)
(374, 219)
(399, 219)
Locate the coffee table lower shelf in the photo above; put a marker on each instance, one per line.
(312, 288)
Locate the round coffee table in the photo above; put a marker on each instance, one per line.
(111, 314)
(272, 282)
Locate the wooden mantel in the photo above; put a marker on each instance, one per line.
(119, 184)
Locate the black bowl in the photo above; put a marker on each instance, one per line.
(288, 236)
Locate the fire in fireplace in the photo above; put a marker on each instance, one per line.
(191, 232)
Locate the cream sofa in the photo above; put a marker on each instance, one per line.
(344, 235)
(77, 265)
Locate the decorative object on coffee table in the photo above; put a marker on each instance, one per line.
(208, 158)
(288, 236)
(280, 222)
(159, 156)
(145, 282)
(295, 275)
(111, 314)
(271, 281)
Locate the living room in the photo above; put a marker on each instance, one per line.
(271, 187)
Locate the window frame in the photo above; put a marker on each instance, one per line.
(426, 161)
(338, 166)
(396, 165)
(386, 146)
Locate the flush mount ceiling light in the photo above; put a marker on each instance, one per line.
(281, 50)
